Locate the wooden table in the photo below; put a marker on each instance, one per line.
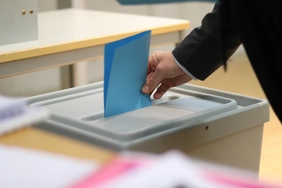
(41, 140)
(70, 36)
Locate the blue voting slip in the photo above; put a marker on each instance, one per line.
(125, 71)
(136, 2)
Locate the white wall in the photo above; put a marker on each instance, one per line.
(188, 10)
(36, 82)
(46, 5)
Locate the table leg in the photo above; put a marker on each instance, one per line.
(80, 74)
(66, 77)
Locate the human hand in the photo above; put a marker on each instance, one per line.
(163, 71)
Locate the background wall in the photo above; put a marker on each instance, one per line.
(49, 80)
(36, 82)
(193, 11)
(44, 5)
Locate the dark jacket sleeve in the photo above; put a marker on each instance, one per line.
(200, 51)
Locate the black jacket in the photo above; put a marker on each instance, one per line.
(255, 24)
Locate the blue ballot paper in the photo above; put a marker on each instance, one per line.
(136, 2)
(125, 71)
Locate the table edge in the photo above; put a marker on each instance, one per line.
(47, 50)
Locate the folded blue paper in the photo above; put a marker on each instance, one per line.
(125, 71)
(138, 2)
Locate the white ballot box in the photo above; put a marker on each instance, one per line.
(18, 21)
(207, 124)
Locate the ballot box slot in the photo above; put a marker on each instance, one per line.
(100, 115)
(164, 99)
(92, 117)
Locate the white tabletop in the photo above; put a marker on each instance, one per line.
(68, 29)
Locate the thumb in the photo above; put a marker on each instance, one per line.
(153, 82)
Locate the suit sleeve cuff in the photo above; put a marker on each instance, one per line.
(184, 69)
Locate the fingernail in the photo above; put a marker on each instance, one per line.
(145, 89)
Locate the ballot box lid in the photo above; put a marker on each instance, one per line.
(80, 110)
(178, 107)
